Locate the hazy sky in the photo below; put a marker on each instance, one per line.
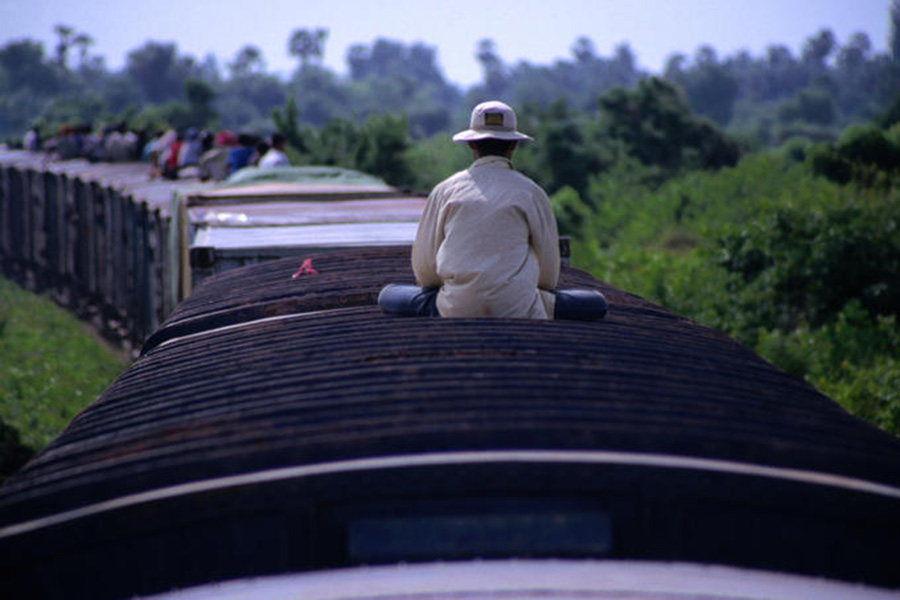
(539, 31)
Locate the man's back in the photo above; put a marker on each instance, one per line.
(487, 244)
(488, 239)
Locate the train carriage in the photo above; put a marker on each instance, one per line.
(121, 247)
(280, 437)
(261, 214)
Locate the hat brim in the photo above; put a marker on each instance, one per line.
(473, 135)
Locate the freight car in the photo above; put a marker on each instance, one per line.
(281, 437)
(261, 214)
(121, 248)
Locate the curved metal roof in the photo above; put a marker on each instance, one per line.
(291, 410)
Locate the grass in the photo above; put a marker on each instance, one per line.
(51, 366)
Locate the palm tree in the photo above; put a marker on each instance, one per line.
(62, 48)
(83, 42)
(308, 44)
(249, 59)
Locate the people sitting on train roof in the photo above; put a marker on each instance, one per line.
(121, 143)
(168, 160)
(159, 151)
(487, 242)
(243, 154)
(275, 156)
(31, 142)
(214, 162)
(189, 155)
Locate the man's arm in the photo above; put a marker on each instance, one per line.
(428, 239)
(545, 241)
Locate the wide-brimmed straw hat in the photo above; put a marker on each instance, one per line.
(491, 120)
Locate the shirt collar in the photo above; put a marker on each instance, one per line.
(492, 161)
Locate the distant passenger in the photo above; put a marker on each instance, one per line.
(189, 155)
(169, 158)
(118, 144)
(69, 142)
(157, 149)
(214, 162)
(93, 147)
(243, 154)
(275, 156)
(487, 242)
(32, 140)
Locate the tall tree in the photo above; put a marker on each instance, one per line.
(816, 52)
(83, 42)
(675, 67)
(584, 50)
(709, 87)
(158, 71)
(62, 47)
(25, 66)
(566, 155)
(491, 66)
(249, 59)
(785, 77)
(199, 96)
(622, 67)
(359, 62)
(855, 52)
(308, 45)
(895, 31)
(389, 58)
(656, 126)
(818, 48)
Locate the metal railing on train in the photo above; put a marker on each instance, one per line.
(93, 248)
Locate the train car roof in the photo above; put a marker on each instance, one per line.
(287, 184)
(282, 408)
(131, 179)
(257, 214)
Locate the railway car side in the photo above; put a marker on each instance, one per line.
(94, 236)
(121, 248)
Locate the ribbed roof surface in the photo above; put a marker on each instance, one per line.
(335, 378)
(258, 370)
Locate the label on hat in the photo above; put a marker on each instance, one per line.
(493, 119)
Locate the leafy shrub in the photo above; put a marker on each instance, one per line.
(805, 263)
(573, 216)
(865, 154)
(656, 124)
(853, 359)
(812, 105)
(804, 271)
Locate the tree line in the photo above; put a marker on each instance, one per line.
(763, 100)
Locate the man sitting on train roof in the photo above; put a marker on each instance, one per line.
(487, 242)
(275, 157)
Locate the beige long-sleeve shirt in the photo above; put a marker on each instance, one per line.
(488, 239)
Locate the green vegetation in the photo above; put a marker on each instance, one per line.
(800, 263)
(51, 367)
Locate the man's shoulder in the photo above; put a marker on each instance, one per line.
(451, 181)
(524, 182)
